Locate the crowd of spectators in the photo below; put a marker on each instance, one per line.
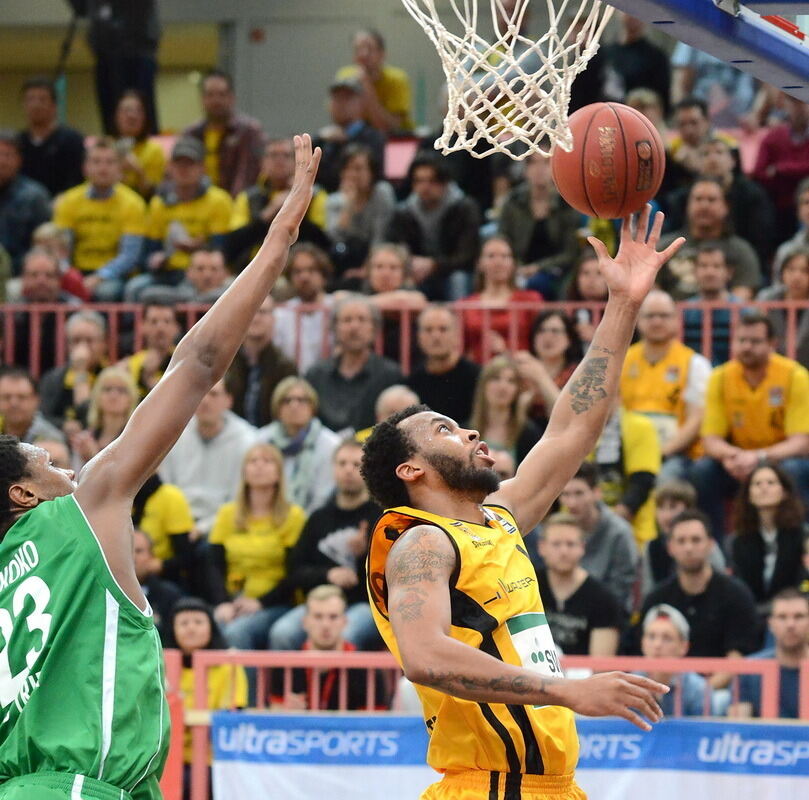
(685, 531)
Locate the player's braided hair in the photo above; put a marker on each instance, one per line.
(386, 448)
(13, 467)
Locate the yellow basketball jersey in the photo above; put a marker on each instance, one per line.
(496, 608)
(658, 390)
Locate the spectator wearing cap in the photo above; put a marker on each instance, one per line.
(186, 213)
(666, 634)
(52, 154)
(233, 141)
(789, 625)
(24, 203)
(255, 207)
(106, 221)
(756, 409)
(347, 127)
(386, 93)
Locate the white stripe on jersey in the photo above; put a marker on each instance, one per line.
(108, 677)
(78, 785)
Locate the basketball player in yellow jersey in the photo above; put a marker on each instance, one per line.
(452, 588)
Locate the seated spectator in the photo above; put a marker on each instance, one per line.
(713, 274)
(389, 285)
(497, 326)
(444, 379)
(707, 217)
(665, 381)
(332, 549)
(386, 90)
(719, 608)
(107, 223)
(19, 408)
(113, 398)
(783, 161)
(304, 441)
(192, 627)
(348, 129)
(541, 228)
(302, 330)
(56, 241)
(555, 353)
(66, 390)
(162, 595)
(756, 409)
(635, 62)
(248, 547)
(24, 204)
(144, 160)
(666, 634)
(348, 383)
(770, 530)
(672, 497)
(206, 461)
(391, 401)
(258, 369)
(628, 458)
(439, 225)
(650, 104)
(160, 329)
(793, 285)
(584, 617)
(40, 283)
(205, 281)
(233, 141)
(186, 213)
(52, 154)
(497, 411)
(801, 238)
(586, 285)
(789, 626)
(324, 622)
(359, 211)
(610, 552)
(256, 206)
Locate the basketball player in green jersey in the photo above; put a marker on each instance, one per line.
(82, 708)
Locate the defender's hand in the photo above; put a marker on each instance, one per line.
(297, 201)
(632, 273)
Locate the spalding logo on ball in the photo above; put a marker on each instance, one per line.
(616, 165)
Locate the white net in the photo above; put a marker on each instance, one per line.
(511, 93)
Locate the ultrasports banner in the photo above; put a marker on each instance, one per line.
(341, 757)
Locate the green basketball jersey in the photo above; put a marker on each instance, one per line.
(81, 667)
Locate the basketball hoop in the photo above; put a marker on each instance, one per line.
(513, 92)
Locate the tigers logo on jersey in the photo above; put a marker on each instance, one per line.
(672, 374)
(776, 396)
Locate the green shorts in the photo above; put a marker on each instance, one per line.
(59, 786)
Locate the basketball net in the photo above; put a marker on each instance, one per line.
(511, 93)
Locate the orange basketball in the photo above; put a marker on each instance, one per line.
(617, 161)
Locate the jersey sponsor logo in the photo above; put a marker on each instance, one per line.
(776, 396)
(672, 374)
(506, 525)
(732, 748)
(24, 559)
(477, 541)
(515, 586)
(247, 738)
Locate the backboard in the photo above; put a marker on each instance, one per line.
(738, 33)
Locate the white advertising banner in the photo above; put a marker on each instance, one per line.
(343, 756)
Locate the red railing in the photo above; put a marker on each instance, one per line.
(129, 317)
(287, 661)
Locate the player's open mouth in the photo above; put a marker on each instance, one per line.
(483, 452)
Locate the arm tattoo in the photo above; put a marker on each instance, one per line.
(449, 681)
(411, 606)
(595, 348)
(588, 388)
(412, 561)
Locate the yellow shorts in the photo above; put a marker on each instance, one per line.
(480, 785)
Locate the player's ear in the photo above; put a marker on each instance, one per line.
(21, 496)
(408, 472)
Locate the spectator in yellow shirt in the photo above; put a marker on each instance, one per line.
(756, 410)
(144, 160)
(248, 547)
(186, 213)
(106, 221)
(386, 89)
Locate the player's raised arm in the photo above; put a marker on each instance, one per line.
(584, 404)
(417, 574)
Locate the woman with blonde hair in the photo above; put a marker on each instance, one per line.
(306, 444)
(499, 412)
(248, 546)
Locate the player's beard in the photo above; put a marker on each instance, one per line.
(461, 476)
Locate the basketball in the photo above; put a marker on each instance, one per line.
(616, 164)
